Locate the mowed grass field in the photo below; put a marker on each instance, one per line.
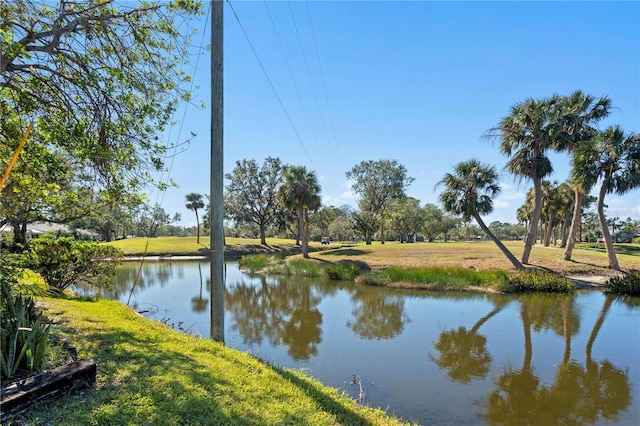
(481, 255)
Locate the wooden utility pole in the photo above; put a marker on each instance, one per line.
(217, 173)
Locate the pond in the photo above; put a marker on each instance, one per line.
(435, 358)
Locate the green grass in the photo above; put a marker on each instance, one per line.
(302, 268)
(150, 374)
(437, 278)
(255, 262)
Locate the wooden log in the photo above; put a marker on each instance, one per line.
(46, 386)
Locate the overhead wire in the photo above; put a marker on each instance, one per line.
(295, 85)
(284, 109)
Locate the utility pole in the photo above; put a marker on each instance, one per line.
(217, 173)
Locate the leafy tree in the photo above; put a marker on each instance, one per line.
(433, 221)
(580, 113)
(613, 157)
(469, 192)
(365, 224)
(194, 202)
(251, 195)
(406, 217)
(339, 228)
(526, 135)
(152, 218)
(65, 261)
(300, 193)
(99, 78)
(378, 182)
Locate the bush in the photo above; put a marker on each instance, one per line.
(339, 272)
(628, 284)
(24, 331)
(64, 261)
(534, 280)
(254, 262)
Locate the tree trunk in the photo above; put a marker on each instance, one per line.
(535, 217)
(613, 260)
(575, 224)
(301, 231)
(197, 227)
(549, 230)
(382, 226)
(495, 239)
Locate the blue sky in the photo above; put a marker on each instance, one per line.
(418, 82)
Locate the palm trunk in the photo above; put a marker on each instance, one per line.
(301, 231)
(613, 260)
(549, 230)
(495, 239)
(197, 227)
(575, 224)
(535, 218)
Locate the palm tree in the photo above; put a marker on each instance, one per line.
(526, 135)
(469, 192)
(300, 192)
(613, 157)
(195, 202)
(580, 113)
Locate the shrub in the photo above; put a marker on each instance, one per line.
(24, 331)
(254, 262)
(337, 271)
(65, 261)
(534, 280)
(628, 284)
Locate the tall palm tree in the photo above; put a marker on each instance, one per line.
(469, 192)
(613, 157)
(195, 202)
(526, 135)
(300, 192)
(580, 113)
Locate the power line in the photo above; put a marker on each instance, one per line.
(255, 53)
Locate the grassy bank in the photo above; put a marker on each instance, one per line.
(150, 374)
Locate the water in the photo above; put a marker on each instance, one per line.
(431, 357)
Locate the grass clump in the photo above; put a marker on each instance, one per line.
(340, 272)
(302, 268)
(437, 278)
(534, 280)
(627, 285)
(254, 262)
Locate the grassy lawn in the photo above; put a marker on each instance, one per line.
(152, 375)
(480, 255)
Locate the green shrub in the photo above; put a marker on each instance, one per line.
(628, 284)
(340, 272)
(443, 277)
(303, 268)
(534, 280)
(254, 262)
(24, 331)
(64, 261)
(636, 240)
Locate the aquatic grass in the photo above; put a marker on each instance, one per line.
(151, 374)
(539, 281)
(437, 277)
(302, 268)
(625, 285)
(340, 272)
(254, 262)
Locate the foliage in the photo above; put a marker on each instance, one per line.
(251, 194)
(65, 261)
(406, 217)
(153, 218)
(24, 331)
(340, 272)
(439, 277)
(194, 202)
(378, 182)
(302, 268)
(173, 378)
(101, 79)
(534, 280)
(254, 262)
(364, 224)
(628, 284)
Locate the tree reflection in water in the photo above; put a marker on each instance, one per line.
(377, 315)
(579, 395)
(464, 353)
